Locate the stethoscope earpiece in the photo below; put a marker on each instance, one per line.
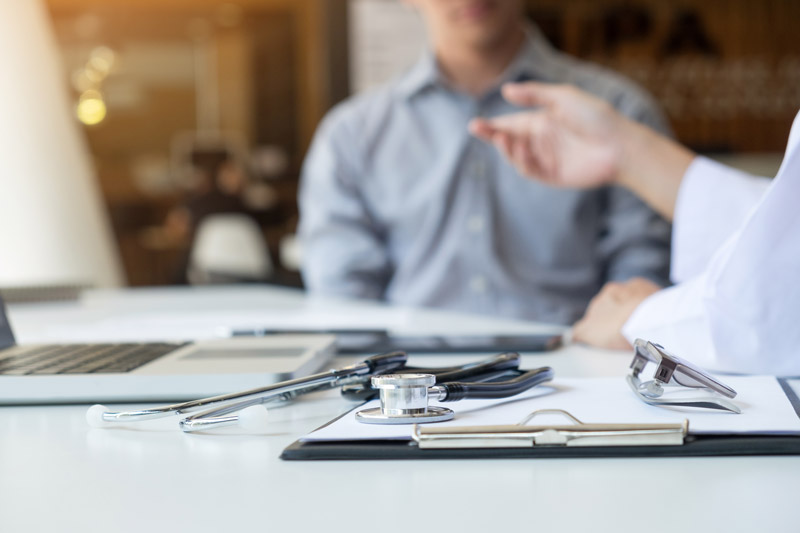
(94, 416)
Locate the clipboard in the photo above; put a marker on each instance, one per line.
(700, 446)
(508, 442)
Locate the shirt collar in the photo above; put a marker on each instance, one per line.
(424, 74)
(532, 62)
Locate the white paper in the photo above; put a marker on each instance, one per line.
(765, 410)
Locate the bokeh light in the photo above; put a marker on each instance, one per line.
(91, 108)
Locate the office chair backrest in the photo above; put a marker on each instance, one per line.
(229, 247)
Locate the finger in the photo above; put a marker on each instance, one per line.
(516, 148)
(481, 128)
(547, 152)
(643, 284)
(611, 293)
(611, 287)
(529, 161)
(502, 141)
(541, 149)
(513, 123)
(531, 94)
(579, 331)
(584, 332)
(519, 157)
(512, 134)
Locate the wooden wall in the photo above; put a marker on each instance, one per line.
(726, 71)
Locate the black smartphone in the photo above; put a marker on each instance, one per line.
(349, 341)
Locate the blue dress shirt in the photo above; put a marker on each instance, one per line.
(399, 202)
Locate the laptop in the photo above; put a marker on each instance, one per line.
(159, 372)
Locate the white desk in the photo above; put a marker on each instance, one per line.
(58, 475)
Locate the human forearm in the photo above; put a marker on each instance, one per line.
(651, 165)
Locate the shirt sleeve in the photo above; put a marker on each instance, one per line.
(712, 202)
(636, 241)
(341, 245)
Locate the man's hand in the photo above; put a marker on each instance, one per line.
(601, 326)
(571, 140)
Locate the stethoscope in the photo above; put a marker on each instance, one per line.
(404, 392)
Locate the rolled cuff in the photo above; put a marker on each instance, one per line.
(675, 318)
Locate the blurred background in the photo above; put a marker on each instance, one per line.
(194, 110)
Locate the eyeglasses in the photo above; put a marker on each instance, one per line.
(673, 377)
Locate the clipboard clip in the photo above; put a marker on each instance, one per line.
(576, 433)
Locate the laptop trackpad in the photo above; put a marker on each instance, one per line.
(278, 354)
(208, 352)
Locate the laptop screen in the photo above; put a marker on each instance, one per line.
(6, 335)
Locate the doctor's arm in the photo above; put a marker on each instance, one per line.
(574, 139)
(342, 250)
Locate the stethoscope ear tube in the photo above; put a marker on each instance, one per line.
(386, 362)
(454, 391)
(495, 365)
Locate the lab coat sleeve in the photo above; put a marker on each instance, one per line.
(675, 318)
(712, 203)
(741, 313)
(752, 290)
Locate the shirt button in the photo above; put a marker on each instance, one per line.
(478, 284)
(475, 224)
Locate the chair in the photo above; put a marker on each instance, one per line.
(229, 247)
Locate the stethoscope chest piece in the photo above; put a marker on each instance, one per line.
(404, 400)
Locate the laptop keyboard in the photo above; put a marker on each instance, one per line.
(80, 358)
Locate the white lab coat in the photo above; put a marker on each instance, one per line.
(736, 264)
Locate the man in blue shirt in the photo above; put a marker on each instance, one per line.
(399, 202)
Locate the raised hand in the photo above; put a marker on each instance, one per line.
(570, 140)
(573, 139)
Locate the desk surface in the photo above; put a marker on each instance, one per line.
(57, 474)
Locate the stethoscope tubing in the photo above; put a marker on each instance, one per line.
(219, 411)
(380, 364)
(493, 390)
(285, 390)
(491, 368)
